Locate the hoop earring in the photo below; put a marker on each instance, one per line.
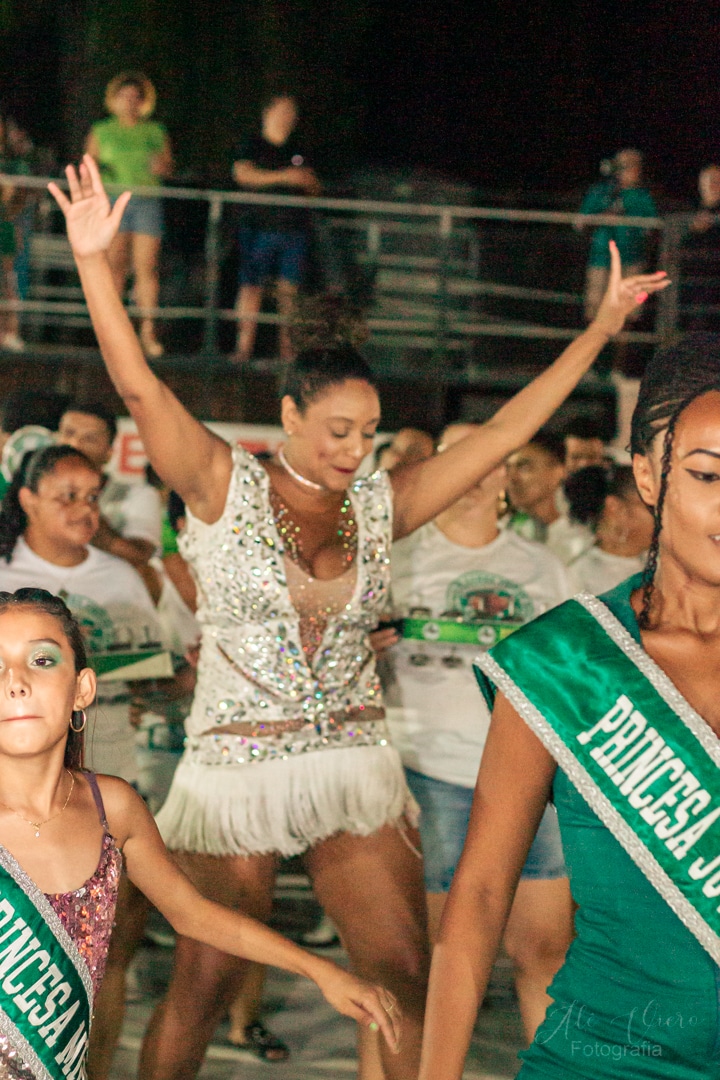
(78, 712)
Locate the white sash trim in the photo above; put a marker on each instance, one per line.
(19, 1043)
(602, 806)
(654, 674)
(41, 902)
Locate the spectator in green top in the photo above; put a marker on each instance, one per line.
(134, 151)
(619, 193)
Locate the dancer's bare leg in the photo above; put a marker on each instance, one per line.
(372, 889)
(286, 297)
(370, 1054)
(247, 307)
(435, 906)
(245, 1008)
(145, 258)
(537, 936)
(204, 981)
(130, 918)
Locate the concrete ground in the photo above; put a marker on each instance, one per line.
(322, 1043)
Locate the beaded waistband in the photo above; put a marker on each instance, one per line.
(287, 739)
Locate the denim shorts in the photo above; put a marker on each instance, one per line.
(272, 255)
(444, 817)
(143, 214)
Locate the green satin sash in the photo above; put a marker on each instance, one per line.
(643, 759)
(46, 992)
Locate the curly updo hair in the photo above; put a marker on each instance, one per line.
(674, 378)
(314, 371)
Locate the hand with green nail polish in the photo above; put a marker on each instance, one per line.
(371, 1005)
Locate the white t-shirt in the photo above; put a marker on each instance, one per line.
(181, 630)
(111, 603)
(133, 510)
(437, 716)
(597, 571)
(565, 538)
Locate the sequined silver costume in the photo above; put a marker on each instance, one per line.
(286, 665)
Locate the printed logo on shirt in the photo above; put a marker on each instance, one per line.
(482, 597)
(481, 609)
(96, 625)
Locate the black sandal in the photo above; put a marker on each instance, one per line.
(263, 1044)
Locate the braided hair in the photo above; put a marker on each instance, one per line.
(35, 465)
(44, 601)
(674, 378)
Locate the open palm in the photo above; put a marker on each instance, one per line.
(91, 221)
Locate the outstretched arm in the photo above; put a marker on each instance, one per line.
(425, 489)
(153, 871)
(188, 457)
(511, 793)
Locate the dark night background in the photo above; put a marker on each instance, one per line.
(521, 100)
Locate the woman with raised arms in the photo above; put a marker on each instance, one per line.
(64, 836)
(612, 705)
(288, 751)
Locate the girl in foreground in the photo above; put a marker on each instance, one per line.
(612, 705)
(57, 901)
(288, 750)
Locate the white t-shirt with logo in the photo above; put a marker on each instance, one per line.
(110, 601)
(437, 716)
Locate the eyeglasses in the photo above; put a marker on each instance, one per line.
(73, 498)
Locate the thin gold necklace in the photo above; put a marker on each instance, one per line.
(37, 825)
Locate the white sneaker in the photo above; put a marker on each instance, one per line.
(12, 342)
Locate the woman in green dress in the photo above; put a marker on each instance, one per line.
(610, 707)
(135, 151)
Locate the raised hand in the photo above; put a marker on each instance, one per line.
(373, 1006)
(91, 221)
(624, 294)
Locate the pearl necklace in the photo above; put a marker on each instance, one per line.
(296, 475)
(37, 825)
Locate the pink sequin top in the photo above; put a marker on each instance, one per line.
(88, 915)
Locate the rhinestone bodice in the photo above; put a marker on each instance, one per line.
(253, 663)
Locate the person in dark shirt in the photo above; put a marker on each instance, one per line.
(273, 239)
(700, 258)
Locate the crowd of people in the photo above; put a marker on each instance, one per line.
(323, 630)
(274, 241)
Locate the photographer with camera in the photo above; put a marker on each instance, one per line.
(619, 192)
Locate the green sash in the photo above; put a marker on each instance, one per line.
(46, 991)
(638, 753)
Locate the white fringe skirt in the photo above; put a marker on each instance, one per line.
(284, 805)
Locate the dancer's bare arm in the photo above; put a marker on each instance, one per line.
(510, 796)
(152, 870)
(188, 457)
(425, 489)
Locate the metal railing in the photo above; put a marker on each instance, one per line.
(442, 296)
